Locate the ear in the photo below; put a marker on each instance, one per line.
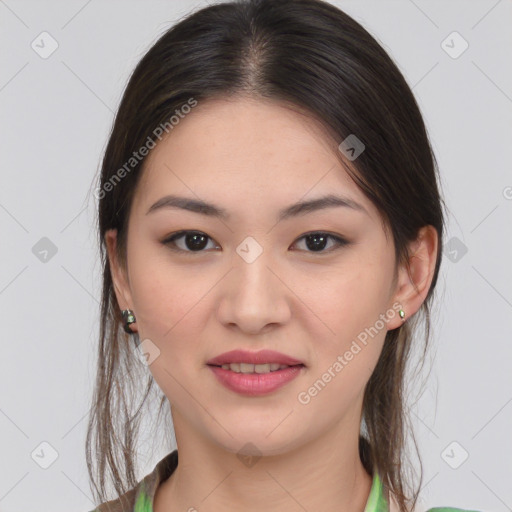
(119, 275)
(414, 283)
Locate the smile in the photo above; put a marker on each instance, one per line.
(254, 368)
(255, 379)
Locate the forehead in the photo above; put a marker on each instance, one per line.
(256, 149)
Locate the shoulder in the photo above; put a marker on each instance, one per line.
(420, 507)
(122, 504)
(450, 509)
(145, 490)
(444, 509)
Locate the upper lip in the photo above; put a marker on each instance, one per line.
(261, 357)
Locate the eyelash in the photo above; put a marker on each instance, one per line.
(169, 241)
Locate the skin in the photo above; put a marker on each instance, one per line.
(310, 305)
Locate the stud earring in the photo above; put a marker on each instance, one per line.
(129, 318)
(402, 314)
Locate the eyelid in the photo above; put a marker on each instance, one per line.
(339, 240)
(178, 234)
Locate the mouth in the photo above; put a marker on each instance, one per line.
(248, 368)
(246, 361)
(255, 379)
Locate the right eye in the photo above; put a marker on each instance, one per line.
(187, 241)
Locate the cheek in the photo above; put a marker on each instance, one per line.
(168, 306)
(171, 315)
(349, 301)
(346, 353)
(349, 305)
(167, 300)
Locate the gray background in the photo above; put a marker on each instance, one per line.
(56, 114)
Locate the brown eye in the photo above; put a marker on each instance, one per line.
(196, 242)
(317, 242)
(189, 241)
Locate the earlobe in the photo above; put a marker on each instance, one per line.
(415, 279)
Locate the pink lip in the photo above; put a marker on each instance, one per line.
(261, 357)
(255, 384)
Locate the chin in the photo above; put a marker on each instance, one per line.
(257, 446)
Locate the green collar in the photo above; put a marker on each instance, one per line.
(376, 501)
(142, 497)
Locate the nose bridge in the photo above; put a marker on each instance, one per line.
(254, 278)
(253, 296)
(255, 286)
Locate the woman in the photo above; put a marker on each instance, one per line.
(271, 232)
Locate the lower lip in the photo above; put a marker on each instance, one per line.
(255, 384)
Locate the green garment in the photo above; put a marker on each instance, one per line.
(376, 501)
(140, 498)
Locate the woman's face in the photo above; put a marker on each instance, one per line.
(254, 281)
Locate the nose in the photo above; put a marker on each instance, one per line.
(254, 297)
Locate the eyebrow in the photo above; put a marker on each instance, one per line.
(294, 210)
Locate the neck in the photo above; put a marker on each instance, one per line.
(326, 474)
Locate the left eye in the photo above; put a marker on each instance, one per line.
(317, 241)
(196, 241)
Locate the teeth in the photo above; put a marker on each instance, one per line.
(254, 368)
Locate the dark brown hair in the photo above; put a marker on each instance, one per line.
(306, 53)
